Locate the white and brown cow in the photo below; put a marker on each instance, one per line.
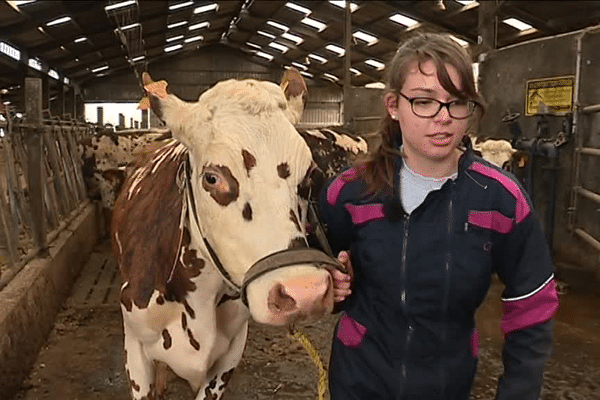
(498, 151)
(195, 215)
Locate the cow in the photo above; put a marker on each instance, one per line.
(497, 151)
(209, 230)
(107, 159)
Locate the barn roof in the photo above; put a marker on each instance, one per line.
(76, 41)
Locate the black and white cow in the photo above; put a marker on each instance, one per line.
(198, 217)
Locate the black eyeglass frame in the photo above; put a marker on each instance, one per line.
(411, 100)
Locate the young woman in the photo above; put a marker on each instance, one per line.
(425, 224)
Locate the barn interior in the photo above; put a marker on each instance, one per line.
(65, 66)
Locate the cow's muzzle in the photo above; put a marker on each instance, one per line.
(288, 258)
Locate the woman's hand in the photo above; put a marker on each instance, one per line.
(342, 281)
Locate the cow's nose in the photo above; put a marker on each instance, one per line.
(309, 296)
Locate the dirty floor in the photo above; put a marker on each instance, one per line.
(82, 359)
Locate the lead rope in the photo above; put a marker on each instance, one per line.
(301, 338)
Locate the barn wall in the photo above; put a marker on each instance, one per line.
(502, 79)
(190, 74)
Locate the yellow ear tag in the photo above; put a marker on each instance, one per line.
(144, 104)
(158, 89)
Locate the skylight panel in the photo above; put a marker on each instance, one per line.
(279, 47)
(66, 80)
(176, 24)
(79, 40)
(103, 68)
(53, 74)
(342, 4)
(317, 57)
(22, 2)
(404, 20)
(365, 37)
(10, 51)
(335, 49)
(307, 74)
(58, 21)
(253, 45)
(299, 66)
(174, 38)
(463, 43)
(314, 23)
(375, 64)
(194, 39)
(292, 38)
(173, 48)
(122, 4)
(206, 8)
(264, 55)
(278, 26)
(35, 64)
(355, 71)
(266, 34)
(138, 58)
(299, 8)
(177, 6)
(130, 26)
(518, 24)
(332, 77)
(204, 24)
(465, 2)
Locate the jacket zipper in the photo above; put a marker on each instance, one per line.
(403, 301)
(447, 285)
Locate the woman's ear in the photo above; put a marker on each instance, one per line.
(391, 104)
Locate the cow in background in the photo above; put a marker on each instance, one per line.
(499, 152)
(224, 195)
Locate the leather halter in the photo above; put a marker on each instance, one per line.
(271, 262)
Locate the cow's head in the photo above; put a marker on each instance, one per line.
(498, 152)
(249, 167)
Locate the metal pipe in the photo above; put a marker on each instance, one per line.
(572, 210)
(595, 197)
(589, 239)
(589, 151)
(591, 109)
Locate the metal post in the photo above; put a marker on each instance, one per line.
(35, 164)
(347, 63)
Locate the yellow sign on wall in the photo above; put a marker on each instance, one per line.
(549, 95)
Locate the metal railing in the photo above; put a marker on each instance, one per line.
(44, 173)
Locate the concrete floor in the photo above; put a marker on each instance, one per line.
(83, 356)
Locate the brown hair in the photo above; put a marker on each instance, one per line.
(377, 168)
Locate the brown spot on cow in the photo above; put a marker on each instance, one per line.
(192, 263)
(184, 321)
(249, 160)
(225, 378)
(283, 170)
(167, 341)
(247, 212)
(224, 190)
(189, 309)
(297, 243)
(158, 204)
(193, 341)
(208, 395)
(294, 219)
(227, 297)
(160, 299)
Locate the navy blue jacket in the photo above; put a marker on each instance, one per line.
(408, 330)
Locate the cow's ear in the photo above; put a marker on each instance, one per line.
(296, 92)
(173, 111)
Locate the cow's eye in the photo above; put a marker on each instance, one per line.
(210, 178)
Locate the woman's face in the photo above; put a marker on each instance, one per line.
(427, 140)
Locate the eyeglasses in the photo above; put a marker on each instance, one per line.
(426, 107)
